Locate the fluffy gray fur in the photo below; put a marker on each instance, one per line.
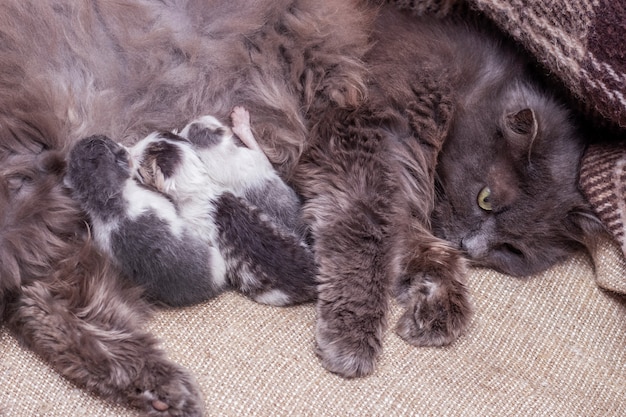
(349, 105)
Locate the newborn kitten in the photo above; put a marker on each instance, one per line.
(177, 214)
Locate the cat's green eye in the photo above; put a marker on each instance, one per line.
(484, 199)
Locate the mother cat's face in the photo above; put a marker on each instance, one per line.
(507, 190)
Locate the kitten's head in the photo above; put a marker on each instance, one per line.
(506, 184)
(96, 170)
(169, 164)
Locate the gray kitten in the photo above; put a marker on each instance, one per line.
(187, 215)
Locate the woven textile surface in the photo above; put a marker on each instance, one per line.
(552, 345)
(603, 180)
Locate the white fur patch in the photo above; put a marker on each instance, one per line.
(218, 267)
(476, 245)
(236, 168)
(273, 297)
(101, 232)
(140, 201)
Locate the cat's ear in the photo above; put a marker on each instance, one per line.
(523, 123)
(521, 129)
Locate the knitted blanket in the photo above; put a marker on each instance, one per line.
(582, 44)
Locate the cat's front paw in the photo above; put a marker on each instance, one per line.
(345, 346)
(164, 389)
(348, 356)
(437, 312)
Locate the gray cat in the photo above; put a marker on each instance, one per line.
(371, 115)
(177, 213)
(486, 162)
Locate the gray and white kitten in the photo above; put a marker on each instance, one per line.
(188, 215)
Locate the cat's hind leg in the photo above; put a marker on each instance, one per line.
(87, 326)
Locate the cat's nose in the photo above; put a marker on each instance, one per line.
(474, 246)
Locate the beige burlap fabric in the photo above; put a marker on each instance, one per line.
(553, 345)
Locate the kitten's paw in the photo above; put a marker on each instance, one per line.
(350, 355)
(241, 127)
(164, 389)
(437, 312)
(240, 117)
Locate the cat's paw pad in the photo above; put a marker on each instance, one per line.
(165, 390)
(437, 313)
(350, 355)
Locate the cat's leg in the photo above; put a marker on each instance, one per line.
(349, 189)
(432, 283)
(88, 328)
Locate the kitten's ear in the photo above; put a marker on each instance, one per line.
(523, 123)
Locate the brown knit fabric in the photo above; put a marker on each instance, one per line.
(604, 67)
(603, 178)
(603, 181)
(582, 42)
